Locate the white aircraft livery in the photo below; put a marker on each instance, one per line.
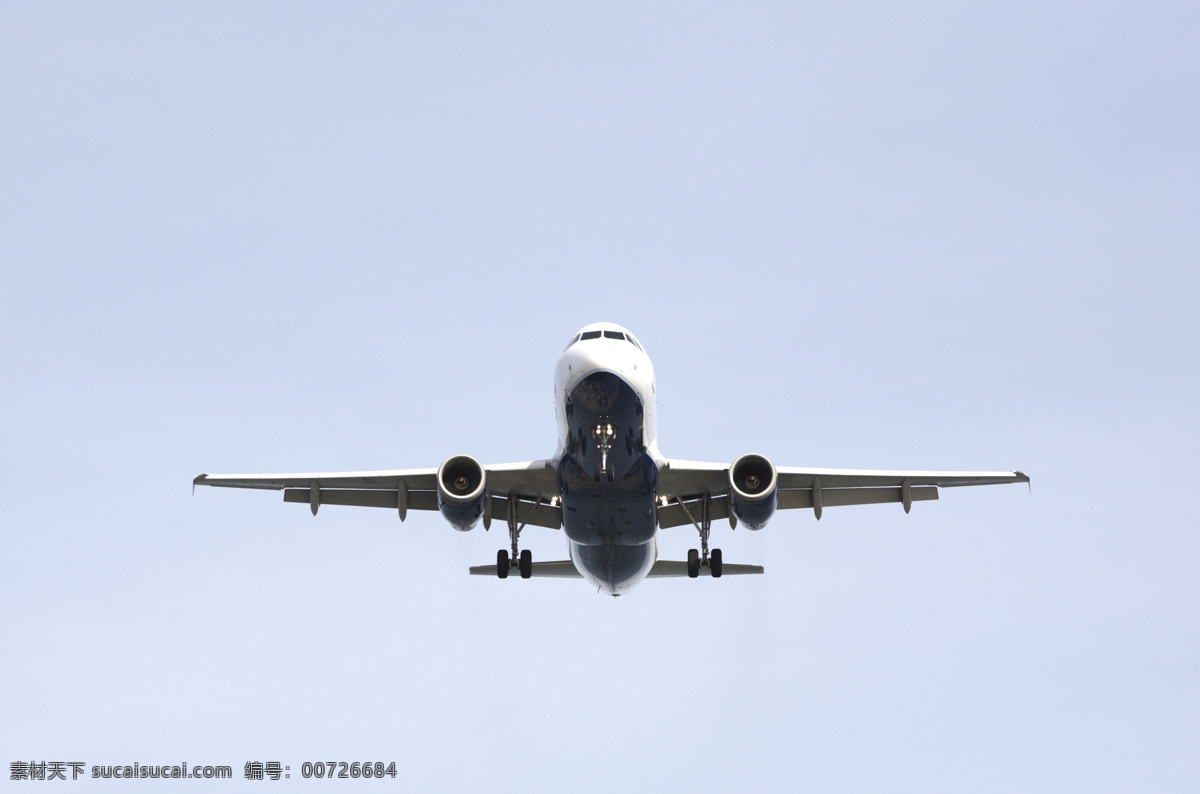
(607, 487)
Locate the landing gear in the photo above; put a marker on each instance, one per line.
(604, 433)
(702, 559)
(521, 560)
(714, 563)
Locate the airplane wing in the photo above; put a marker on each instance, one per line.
(684, 484)
(533, 487)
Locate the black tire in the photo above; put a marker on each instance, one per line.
(715, 565)
(502, 564)
(693, 563)
(526, 564)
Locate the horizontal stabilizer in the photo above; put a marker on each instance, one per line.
(560, 569)
(669, 568)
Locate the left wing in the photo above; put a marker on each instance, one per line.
(531, 486)
(683, 484)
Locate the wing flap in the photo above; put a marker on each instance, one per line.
(543, 515)
(417, 500)
(840, 497)
(528, 512)
(675, 516)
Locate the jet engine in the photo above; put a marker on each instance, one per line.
(753, 490)
(461, 491)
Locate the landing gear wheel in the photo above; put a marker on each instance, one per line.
(693, 563)
(502, 564)
(526, 564)
(715, 565)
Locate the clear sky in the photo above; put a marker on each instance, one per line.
(296, 237)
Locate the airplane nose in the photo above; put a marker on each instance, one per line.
(598, 392)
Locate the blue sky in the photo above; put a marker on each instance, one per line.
(295, 238)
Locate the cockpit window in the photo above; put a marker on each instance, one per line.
(590, 335)
(614, 335)
(633, 341)
(574, 339)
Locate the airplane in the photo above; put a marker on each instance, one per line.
(607, 486)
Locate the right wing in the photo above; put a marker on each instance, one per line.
(684, 484)
(532, 486)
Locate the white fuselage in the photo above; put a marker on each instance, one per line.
(607, 455)
(623, 359)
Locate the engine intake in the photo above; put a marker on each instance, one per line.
(753, 490)
(461, 491)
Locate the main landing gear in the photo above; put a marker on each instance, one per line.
(521, 560)
(713, 562)
(703, 559)
(524, 564)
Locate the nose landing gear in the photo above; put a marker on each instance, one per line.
(604, 433)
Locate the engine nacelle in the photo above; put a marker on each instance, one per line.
(753, 490)
(461, 491)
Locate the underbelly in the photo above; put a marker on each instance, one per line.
(614, 569)
(608, 481)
